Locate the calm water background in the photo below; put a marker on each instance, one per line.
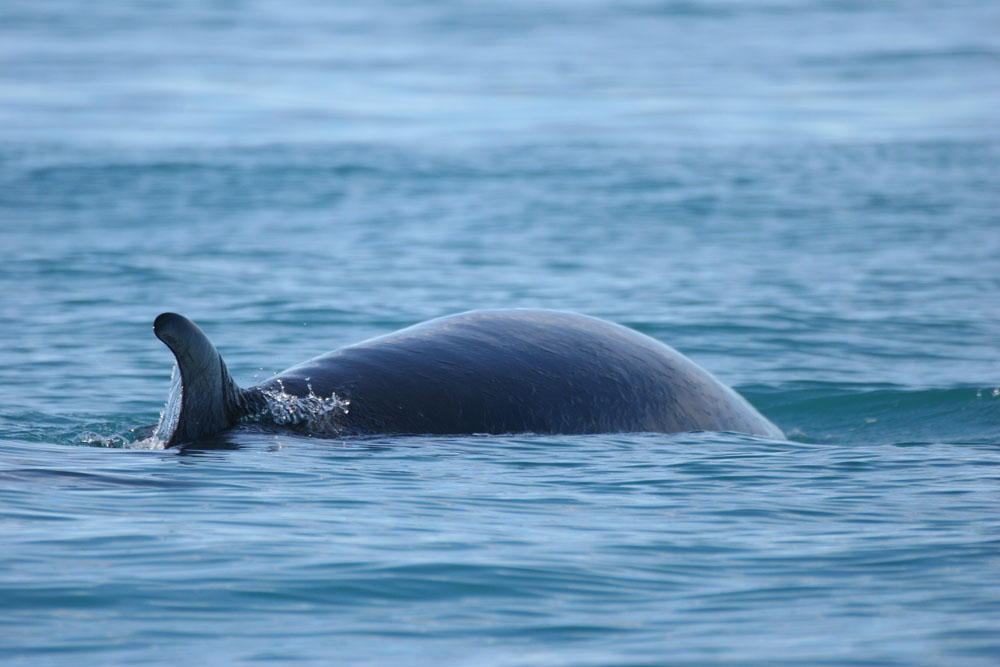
(802, 196)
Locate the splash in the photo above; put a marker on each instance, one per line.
(153, 437)
(134, 438)
(313, 413)
(171, 413)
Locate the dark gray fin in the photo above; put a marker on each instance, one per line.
(204, 399)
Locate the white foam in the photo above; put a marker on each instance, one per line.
(316, 414)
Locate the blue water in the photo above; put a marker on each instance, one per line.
(801, 196)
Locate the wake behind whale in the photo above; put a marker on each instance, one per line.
(488, 372)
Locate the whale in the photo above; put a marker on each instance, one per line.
(479, 372)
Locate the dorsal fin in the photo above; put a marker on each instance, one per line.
(206, 400)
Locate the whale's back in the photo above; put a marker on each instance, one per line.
(513, 371)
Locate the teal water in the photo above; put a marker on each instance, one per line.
(802, 197)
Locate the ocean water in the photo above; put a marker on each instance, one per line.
(801, 196)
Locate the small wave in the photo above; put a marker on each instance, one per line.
(819, 412)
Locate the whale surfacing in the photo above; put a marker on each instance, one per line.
(490, 372)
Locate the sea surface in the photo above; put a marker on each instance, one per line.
(802, 196)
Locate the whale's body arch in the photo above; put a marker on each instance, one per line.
(498, 371)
